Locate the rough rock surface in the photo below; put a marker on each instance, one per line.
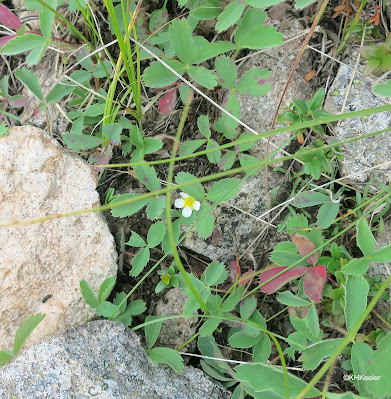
(383, 269)
(175, 332)
(258, 112)
(366, 153)
(41, 265)
(101, 359)
(238, 217)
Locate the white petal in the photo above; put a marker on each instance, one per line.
(196, 205)
(186, 212)
(184, 195)
(179, 203)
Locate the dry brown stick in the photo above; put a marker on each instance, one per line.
(298, 58)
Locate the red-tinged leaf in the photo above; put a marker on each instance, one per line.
(234, 269)
(313, 282)
(7, 18)
(278, 282)
(304, 245)
(101, 158)
(167, 102)
(38, 110)
(17, 101)
(246, 280)
(5, 39)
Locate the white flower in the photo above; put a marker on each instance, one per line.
(188, 204)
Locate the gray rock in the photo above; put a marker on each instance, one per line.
(258, 112)
(363, 153)
(41, 264)
(238, 217)
(104, 360)
(175, 332)
(382, 269)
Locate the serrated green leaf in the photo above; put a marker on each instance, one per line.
(226, 124)
(356, 267)
(152, 331)
(253, 35)
(105, 288)
(152, 145)
(37, 53)
(20, 44)
(380, 367)
(211, 50)
(30, 81)
(214, 274)
(268, 381)
(208, 347)
(107, 309)
(136, 241)
(209, 326)
(287, 298)
(382, 255)
(356, 292)
(203, 125)
(203, 76)
(326, 215)
(312, 321)
(227, 160)
(206, 223)
(233, 299)
(229, 16)
(95, 110)
(136, 307)
(188, 147)
(128, 209)
(23, 332)
(247, 307)
(80, 142)
(364, 238)
(383, 89)
(147, 175)
(167, 356)
(120, 298)
(262, 349)
(46, 18)
(156, 207)
(226, 71)
(309, 198)
(224, 190)
(59, 91)
(215, 156)
(157, 75)
(181, 39)
(314, 354)
(195, 190)
(255, 82)
(242, 340)
(156, 234)
(139, 261)
(89, 294)
(360, 355)
(113, 132)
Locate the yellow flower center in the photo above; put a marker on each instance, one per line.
(189, 202)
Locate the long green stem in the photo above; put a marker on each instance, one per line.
(170, 230)
(179, 186)
(250, 139)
